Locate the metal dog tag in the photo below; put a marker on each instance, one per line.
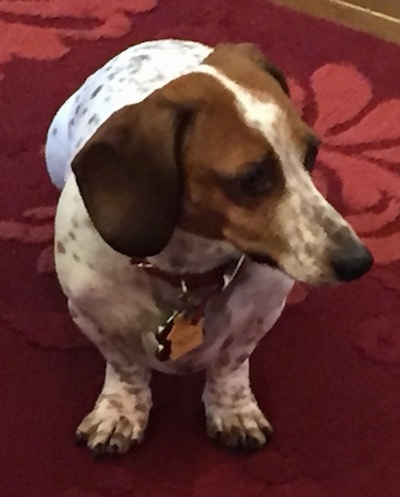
(183, 330)
(179, 337)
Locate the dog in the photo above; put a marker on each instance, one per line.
(187, 211)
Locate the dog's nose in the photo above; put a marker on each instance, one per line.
(352, 261)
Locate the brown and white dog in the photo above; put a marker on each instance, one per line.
(187, 161)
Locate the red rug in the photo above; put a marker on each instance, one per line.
(328, 375)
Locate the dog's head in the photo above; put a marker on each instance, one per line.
(223, 153)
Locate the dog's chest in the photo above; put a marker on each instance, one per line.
(129, 304)
(235, 320)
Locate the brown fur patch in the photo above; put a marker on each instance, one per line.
(227, 343)
(240, 360)
(117, 404)
(61, 248)
(223, 361)
(247, 66)
(218, 145)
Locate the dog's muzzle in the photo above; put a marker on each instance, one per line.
(351, 261)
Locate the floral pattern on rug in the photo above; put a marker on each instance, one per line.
(360, 152)
(70, 20)
(327, 373)
(358, 161)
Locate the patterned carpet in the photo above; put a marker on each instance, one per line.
(328, 375)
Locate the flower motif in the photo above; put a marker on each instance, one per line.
(378, 338)
(359, 155)
(358, 160)
(36, 228)
(77, 20)
(256, 478)
(20, 23)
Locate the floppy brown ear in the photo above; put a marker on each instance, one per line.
(129, 176)
(253, 53)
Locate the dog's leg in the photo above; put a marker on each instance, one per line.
(121, 412)
(232, 412)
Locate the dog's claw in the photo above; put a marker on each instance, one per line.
(243, 441)
(240, 440)
(236, 430)
(99, 450)
(80, 438)
(113, 449)
(268, 432)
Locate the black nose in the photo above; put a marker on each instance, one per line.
(351, 262)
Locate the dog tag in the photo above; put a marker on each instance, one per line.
(178, 337)
(184, 336)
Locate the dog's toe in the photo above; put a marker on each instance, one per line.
(80, 438)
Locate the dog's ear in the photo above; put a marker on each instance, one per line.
(253, 53)
(129, 176)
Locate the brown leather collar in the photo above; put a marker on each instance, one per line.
(214, 281)
(187, 281)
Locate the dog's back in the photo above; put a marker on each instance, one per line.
(126, 79)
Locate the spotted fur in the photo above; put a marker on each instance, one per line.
(116, 304)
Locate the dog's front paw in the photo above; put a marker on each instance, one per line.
(237, 426)
(115, 424)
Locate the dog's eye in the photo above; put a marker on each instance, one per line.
(311, 154)
(256, 181)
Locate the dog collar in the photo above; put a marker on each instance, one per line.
(183, 329)
(219, 277)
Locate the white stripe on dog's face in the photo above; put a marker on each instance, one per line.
(309, 226)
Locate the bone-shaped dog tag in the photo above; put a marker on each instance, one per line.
(178, 337)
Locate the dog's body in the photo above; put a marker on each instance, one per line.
(118, 304)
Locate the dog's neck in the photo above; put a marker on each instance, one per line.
(189, 253)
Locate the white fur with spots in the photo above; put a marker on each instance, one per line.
(117, 305)
(127, 78)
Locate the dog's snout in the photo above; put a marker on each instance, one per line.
(351, 261)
